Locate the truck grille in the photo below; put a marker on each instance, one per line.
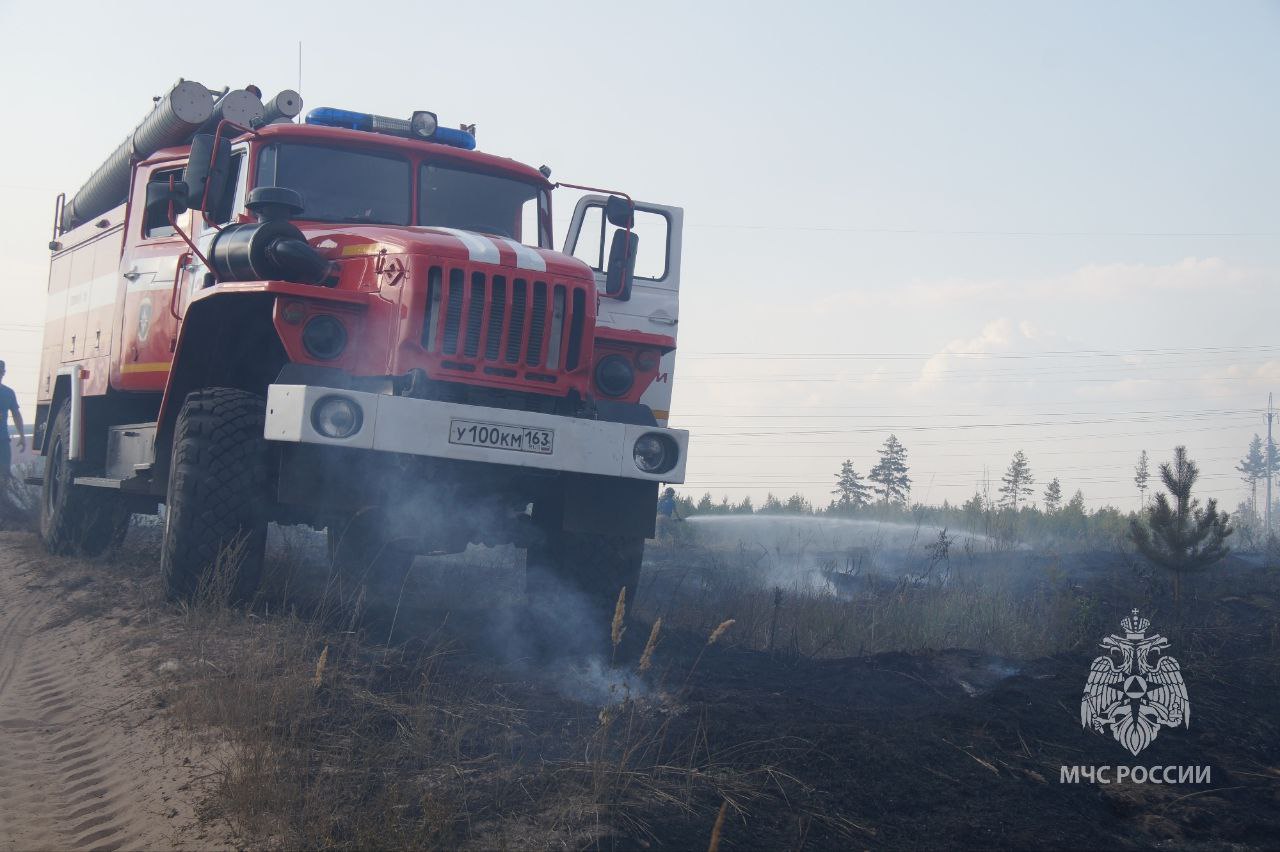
(503, 326)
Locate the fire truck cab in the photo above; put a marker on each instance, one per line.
(358, 323)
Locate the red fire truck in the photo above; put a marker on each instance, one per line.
(359, 323)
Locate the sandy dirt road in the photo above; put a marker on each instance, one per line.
(87, 760)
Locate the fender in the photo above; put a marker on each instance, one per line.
(228, 339)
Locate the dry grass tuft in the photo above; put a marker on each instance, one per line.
(318, 680)
(646, 658)
(720, 629)
(619, 618)
(718, 827)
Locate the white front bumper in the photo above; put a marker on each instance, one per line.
(397, 424)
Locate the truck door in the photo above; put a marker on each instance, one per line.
(653, 306)
(153, 264)
(79, 282)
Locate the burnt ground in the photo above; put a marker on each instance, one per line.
(957, 749)
(446, 739)
(896, 745)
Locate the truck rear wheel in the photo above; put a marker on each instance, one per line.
(76, 520)
(215, 528)
(590, 566)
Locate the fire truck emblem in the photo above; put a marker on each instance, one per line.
(1129, 693)
(144, 320)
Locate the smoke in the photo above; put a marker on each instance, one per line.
(564, 638)
(802, 552)
(557, 639)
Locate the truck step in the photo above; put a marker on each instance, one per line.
(127, 485)
(99, 481)
(33, 480)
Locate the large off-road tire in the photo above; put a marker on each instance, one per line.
(585, 570)
(216, 509)
(76, 520)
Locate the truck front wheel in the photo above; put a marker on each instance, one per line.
(76, 520)
(215, 527)
(590, 567)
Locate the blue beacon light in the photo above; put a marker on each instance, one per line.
(350, 120)
(330, 117)
(456, 138)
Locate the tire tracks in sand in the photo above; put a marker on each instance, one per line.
(83, 763)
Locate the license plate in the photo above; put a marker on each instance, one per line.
(499, 436)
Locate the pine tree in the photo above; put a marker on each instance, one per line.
(1017, 481)
(1141, 474)
(772, 505)
(892, 484)
(797, 504)
(1252, 468)
(1182, 538)
(851, 492)
(705, 506)
(1053, 496)
(745, 507)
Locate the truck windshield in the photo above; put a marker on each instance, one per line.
(450, 197)
(340, 185)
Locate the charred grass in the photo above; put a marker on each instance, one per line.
(810, 720)
(340, 739)
(1002, 606)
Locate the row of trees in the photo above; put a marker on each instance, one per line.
(1176, 533)
(890, 483)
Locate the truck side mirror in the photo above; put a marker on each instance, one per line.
(208, 172)
(622, 265)
(160, 193)
(620, 212)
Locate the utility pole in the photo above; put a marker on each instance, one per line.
(1271, 460)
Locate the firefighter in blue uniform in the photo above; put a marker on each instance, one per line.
(667, 513)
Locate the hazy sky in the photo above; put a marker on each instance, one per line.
(1002, 226)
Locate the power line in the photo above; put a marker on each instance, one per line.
(877, 379)
(949, 232)
(1099, 353)
(1056, 439)
(1112, 416)
(982, 367)
(986, 406)
(837, 457)
(854, 430)
(944, 232)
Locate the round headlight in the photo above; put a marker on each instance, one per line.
(337, 417)
(655, 453)
(614, 375)
(324, 337)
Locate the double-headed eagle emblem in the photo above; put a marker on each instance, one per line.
(1129, 693)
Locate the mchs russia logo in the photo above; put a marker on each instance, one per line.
(1129, 693)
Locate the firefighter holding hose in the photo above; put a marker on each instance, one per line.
(668, 513)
